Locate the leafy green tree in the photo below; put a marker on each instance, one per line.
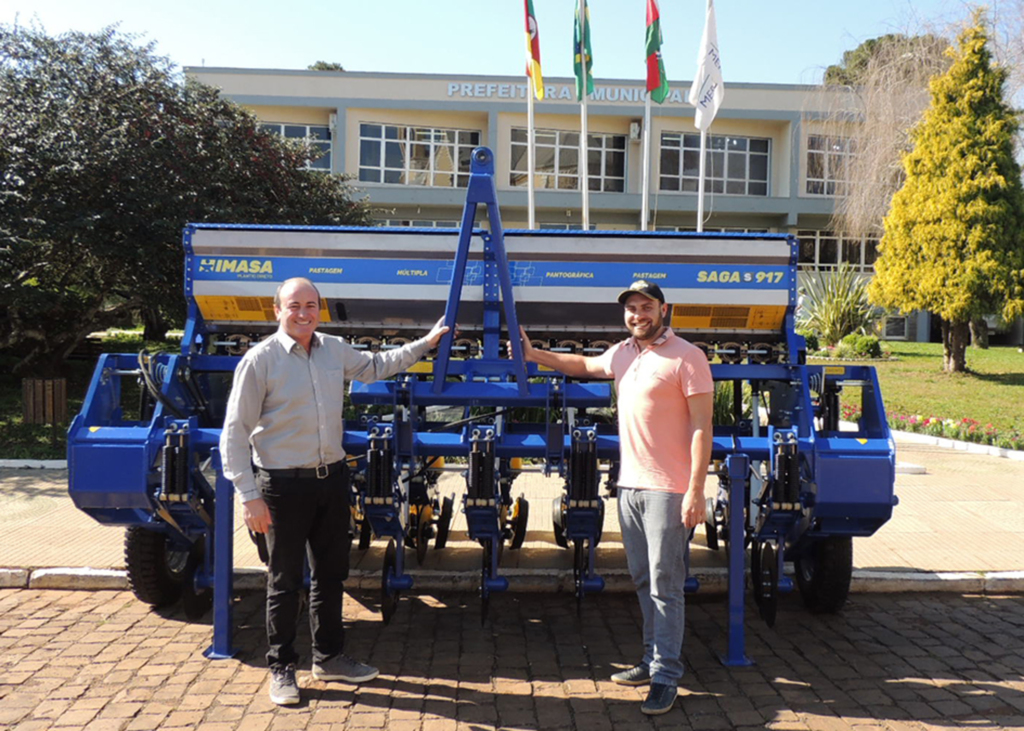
(952, 242)
(105, 154)
(325, 66)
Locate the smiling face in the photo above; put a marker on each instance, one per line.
(297, 308)
(645, 317)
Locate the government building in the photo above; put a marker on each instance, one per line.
(405, 140)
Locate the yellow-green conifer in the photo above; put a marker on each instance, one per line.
(952, 242)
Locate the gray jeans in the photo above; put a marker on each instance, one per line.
(655, 542)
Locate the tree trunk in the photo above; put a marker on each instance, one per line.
(979, 333)
(955, 336)
(154, 324)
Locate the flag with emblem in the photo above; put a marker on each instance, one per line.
(657, 81)
(533, 51)
(583, 57)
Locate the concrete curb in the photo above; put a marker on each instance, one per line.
(971, 447)
(713, 581)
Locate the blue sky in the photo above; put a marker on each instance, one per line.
(780, 41)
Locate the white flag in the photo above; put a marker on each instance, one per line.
(707, 91)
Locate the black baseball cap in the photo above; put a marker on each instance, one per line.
(642, 286)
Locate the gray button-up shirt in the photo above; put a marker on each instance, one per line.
(287, 403)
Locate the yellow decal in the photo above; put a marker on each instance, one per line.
(863, 441)
(728, 317)
(733, 276)
(215, 308)
(422, 367)
(94, 429)
(834, 370)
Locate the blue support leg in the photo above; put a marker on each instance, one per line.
(223, 564)
(737, 466)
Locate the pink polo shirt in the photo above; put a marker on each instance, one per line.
(655, 431)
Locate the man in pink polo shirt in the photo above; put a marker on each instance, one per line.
(665, 402)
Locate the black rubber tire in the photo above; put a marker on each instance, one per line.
(710, 527)
(444, 523)
(388, 599)
(556, 518)
(824, 573)
(365, 534)
(195, 602)
(155, 571)
(520, 523)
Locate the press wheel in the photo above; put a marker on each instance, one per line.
(365, 534)
(444, 523)
(520, 520)
(710, 527)
(556, 518)
(196, 602)
(767, 591)
(485, 574)
(388, 599)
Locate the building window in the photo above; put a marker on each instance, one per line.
(319, 135)
(826, 249)
(557, 160)
(403, 155)
(727, 229)
(406, 223)
(733, 165)
(828, 164)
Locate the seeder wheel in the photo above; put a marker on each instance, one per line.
(556, 518)
(388, 598)
(710, 527)
(520, 519)
(824, 573)
(365, 534)
(766, 584)
(485, 574)
(196, 602)
(444, 523)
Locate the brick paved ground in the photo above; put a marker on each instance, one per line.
(101, 660)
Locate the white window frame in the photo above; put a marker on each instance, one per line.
(844, 245)
(833, 155)
(319, 134)
(402, 137)
(601, 147)
(722, 154)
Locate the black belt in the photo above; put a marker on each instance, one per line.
(306, 473)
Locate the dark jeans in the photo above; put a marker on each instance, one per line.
(310, 519)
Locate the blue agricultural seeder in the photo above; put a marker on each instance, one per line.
(792, 486)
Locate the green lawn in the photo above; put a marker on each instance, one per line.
(991, 393)
(912, 384)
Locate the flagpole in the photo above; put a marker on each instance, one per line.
(584, 161)
(700, 181)
(530, 141)
(645, 197)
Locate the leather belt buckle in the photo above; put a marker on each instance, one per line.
(322, 471)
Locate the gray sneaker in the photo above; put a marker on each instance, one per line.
(342, 667)
(284, 690)
(636, 675)
(660, 699)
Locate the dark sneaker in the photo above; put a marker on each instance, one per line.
(284, 690)
(636, 675)
(660, 699)
(341, 667)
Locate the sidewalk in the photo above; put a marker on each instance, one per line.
(958, 527)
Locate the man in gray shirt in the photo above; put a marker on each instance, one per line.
(285, 415)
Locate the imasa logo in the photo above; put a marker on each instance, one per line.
(237, 266)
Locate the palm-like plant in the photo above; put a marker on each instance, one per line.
(836, 304)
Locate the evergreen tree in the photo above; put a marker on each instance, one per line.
(952, 242)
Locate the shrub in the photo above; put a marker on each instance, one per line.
(812, 339)
(836, 304)
(863, 345)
